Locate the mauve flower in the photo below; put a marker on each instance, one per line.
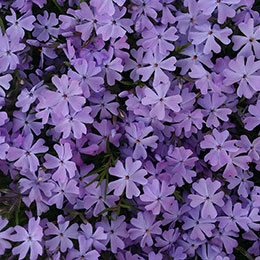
(94, 238)
(5, 83)
(27, 122)
(206, 33)
(135, 64)
(235, 216)
(241, 180)
(73, 124)
(96, 196)
(201, 228)
(106, 6)
(157, 63)
(186, 21)
(219, 147)
(253, 121)
(4, 147)
(159, 100)
(159, 38)
(31, 240)
(144, 227)
(86, 74)
(112, 67)
(159, 195)
(4, 236)
(27, 158)
(180, 164)
(207, 195)
(89, 21)
(205, 80)
(195, 57)
(84, 252)
(45, 27)
(129, 176)
(249, 41)
(62, 235)
(224, 8)
(116, 232)
(107, 132)
(137, 133)
(63, 162)
(67, 189)
(243, 73)
(8, 47)
(18, 26)
(102, 103)
(213, 109)
(114, 26)
(167, 15)
(168, 239)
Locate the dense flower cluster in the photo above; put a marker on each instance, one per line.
(129, 129)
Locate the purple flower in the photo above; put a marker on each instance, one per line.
(169, 237)
(89, 20)
(129, 176)
(158, 194)
(96, 196)
(27, 160)
(115, 231)
(31, 240)
(84, 251)
(102, 103)
(241, 180)
(95, 238)
(106, 6)
(45, 27)
(195, 58)
(235, 216)
(243, 73)
(159, 100)
(63, 162)
(62, 235)
(73, 124)
(114, 26)
(112, 67)
(38, 186)
(207, 195)
(8, 47)
(219, 147)
(86, 74)
(205, 80)
(27, 122)
(67, 189)
(159, 38)
(4, 148)
(253, 121)
(107, 133)
(157, 63)
(4, 236)
(136, 134)
(187, 21)
(67, 96)
(201, 227)
(224, 9)
(144, 227)
(212, 104)
(249, 41)
(18, 26)
(204, 33)
(180, 165)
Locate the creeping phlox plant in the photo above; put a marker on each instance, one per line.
(129, 129)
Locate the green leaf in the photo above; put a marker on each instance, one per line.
(2, 26)
(57, 5)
